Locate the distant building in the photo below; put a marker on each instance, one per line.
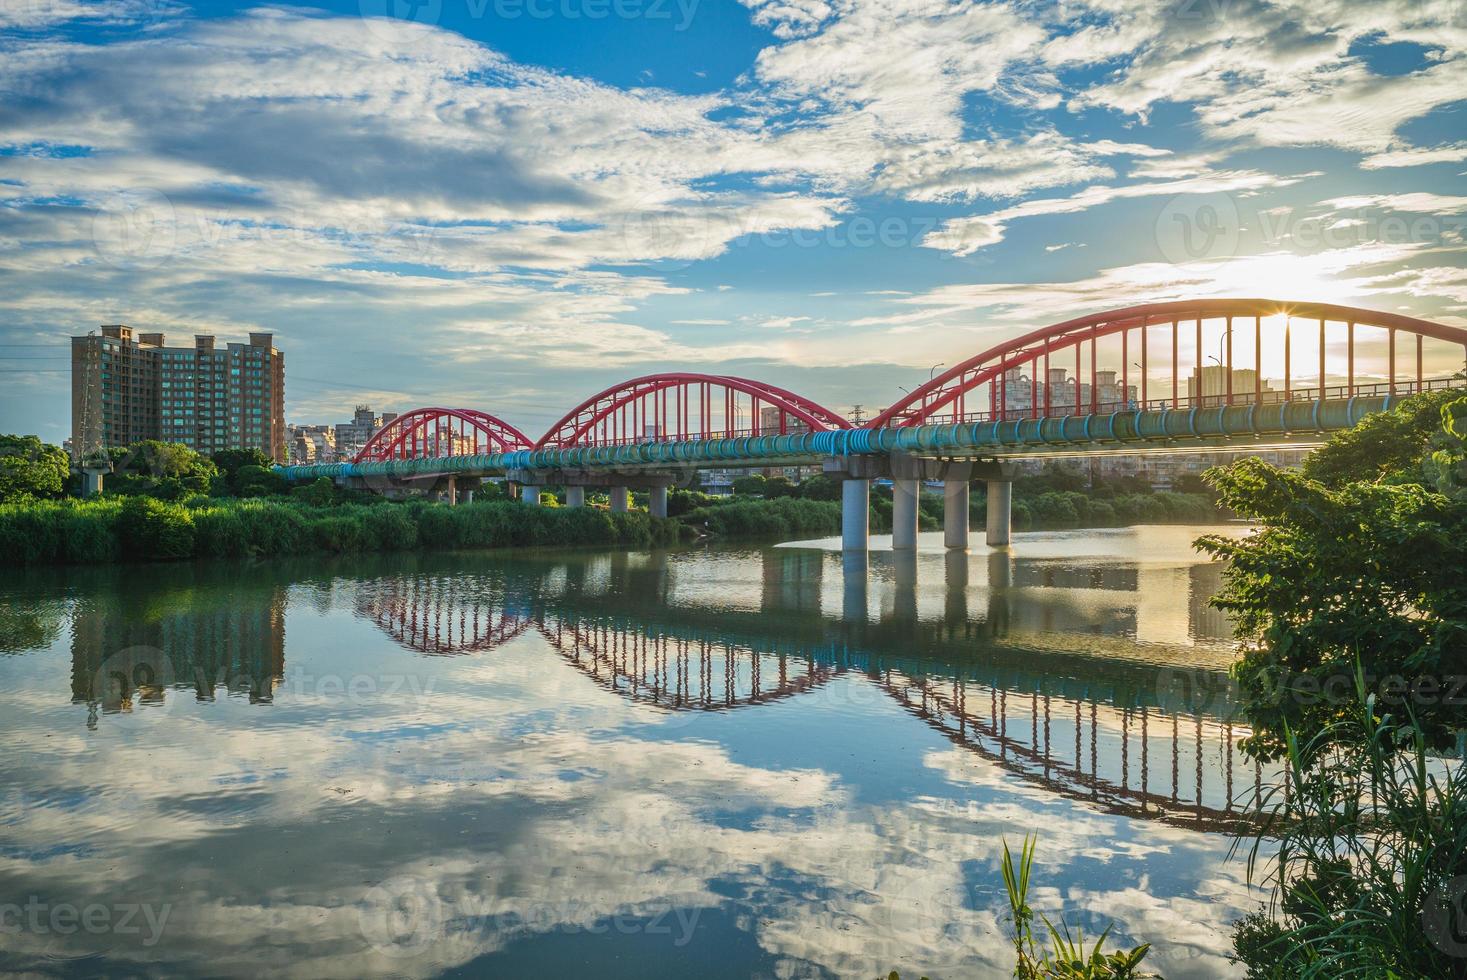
(1056, 393)
(312, 443)
(352, 436)
(1212, 382)
(126, 387)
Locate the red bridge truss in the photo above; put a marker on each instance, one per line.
(427, 432)
(677, 407)
(1187, 353)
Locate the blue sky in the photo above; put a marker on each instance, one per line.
(510, 204)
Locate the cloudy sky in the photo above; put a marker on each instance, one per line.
(508, 204)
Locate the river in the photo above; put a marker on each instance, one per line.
(723, 762)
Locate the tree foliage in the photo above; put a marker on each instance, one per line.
(1368, 572)
(30, 468)
(1388, 445)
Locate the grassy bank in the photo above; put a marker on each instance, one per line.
(143, 528)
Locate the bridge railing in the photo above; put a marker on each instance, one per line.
(1060, 407)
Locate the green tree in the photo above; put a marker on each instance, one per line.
(1352, 608)
(258, 481)
(1367, 572)
(820, 488)
(30, 468)
(167, 470)
(231, 461)
(779, 486)
(749, 486)
(1386, 445)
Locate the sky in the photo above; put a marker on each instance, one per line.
(511, 204)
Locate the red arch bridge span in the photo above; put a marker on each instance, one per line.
(1189, 375)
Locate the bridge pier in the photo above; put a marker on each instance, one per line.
(619, 499)
(1000, 512)
(657, 500)
(904, 580)
(530, 494)
(955, 495)
(956, 609)
(452, 491)
(904, 511)
(855, 514)
(575, 496)
(855, 571)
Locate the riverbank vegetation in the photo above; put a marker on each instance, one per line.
(1352, 607)
(164, 501)
(143, 528)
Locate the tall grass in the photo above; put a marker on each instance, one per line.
(1368, 880)
(146, 529)
(1069, 958)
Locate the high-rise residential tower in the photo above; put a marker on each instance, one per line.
(128, 386)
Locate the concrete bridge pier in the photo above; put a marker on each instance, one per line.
(956, 607)
(619, 499)
(1000, 514)
(469, 495)
(955, 495)
(657, 500)
(855, 514)
(904, 578)
(855, 571)
(452, 491)
(575, 496)
(904, 512)
(530, 495)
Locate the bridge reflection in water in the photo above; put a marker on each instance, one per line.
(1103, 683)
(1051, 689)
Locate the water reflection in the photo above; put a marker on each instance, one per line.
(813, 757)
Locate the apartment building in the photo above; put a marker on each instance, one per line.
(127, 386)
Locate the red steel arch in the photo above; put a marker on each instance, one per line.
(995, 380)
(667, 407)
(427, 432)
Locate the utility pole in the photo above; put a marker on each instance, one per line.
(858, 415)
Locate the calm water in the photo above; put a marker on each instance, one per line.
(730, 762)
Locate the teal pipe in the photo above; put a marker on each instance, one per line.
(1120, 429)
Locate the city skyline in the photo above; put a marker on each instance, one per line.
(775, 191)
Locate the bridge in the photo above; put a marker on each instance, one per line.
(1182, 376)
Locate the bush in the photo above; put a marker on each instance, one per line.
(142, 528)
(784, 517)
(151, 529)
